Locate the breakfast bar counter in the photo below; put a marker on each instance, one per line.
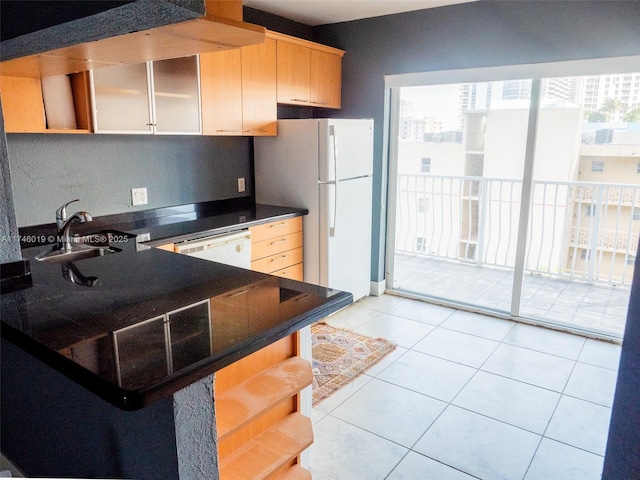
(108, 362)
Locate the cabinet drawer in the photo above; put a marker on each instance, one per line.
(275, 245)
(274, 229)
(278, 261)
(169, 247)
(294, 272)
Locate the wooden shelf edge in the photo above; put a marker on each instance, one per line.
(247, 401)
(266, 454)
(295, 472)
(60, 130)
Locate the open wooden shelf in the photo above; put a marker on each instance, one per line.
(265, 455)
(251, 398)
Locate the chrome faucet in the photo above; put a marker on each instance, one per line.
(64, 224)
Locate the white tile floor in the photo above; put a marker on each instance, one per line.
(564, 300)
(466, 396)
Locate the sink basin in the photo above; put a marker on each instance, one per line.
(78, 252)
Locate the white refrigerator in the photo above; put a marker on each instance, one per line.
(325, 166)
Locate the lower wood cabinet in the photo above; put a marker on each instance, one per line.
(261, 432)
(276, 248)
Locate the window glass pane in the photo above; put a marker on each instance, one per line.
(586, 192)
(460, 163)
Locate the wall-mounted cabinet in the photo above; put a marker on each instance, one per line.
(160, 97)
(57, 104)
(238, 89)
(226, 93)
(22, 104)
(308, 73)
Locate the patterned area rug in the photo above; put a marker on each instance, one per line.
(340, 356)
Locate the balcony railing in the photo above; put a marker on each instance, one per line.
(581, 231)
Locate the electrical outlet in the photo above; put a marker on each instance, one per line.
(139, 196)
(241, 187)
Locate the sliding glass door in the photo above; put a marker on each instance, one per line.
(460, 162)
(518, 197)
(584, 218)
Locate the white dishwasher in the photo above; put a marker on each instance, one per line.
(229, 248)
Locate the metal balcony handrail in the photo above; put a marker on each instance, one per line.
(588, 236)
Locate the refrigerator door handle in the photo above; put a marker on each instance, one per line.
(332, 132)
(332, 226)
(332, 229)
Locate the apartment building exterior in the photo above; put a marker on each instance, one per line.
(459, 196)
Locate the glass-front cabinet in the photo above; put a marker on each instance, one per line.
(160, 97)
(175, 95)
(155, 348)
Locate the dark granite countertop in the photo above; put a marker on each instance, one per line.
(154, 322)
(177, 223)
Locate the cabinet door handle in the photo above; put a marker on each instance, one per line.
(229, 131)
(238, 294)
(300, 100)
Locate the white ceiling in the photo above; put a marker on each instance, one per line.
(320, 12)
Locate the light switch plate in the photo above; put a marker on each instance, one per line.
(139, 196)
(241, 186)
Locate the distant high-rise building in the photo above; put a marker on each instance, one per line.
(625, 88)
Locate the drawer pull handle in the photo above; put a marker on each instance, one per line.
(279, 241)
(238, 294)
(279, 258)
(281, 224)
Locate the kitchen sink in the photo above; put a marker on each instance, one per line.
(79, 251)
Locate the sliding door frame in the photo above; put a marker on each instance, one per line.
(536, 72)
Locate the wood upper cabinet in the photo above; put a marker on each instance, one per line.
(294, 73)
(221, 92)
(238, 89)
(259, 107)
(22, 104)
(326, 79)
(308, 73)
(51, 105)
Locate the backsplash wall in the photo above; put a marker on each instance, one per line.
(48, 170)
